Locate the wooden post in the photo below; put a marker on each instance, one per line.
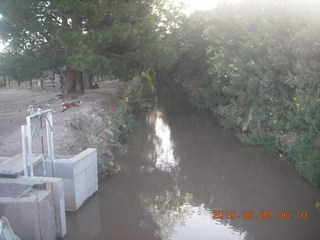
(48, 186)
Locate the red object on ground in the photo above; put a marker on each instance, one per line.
(65, 106)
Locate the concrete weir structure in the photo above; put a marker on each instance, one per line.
(38, 213)
(80, 177)
(35, 206)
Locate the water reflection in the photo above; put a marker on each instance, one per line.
(163, 153)
(198, 224)
(181, 165)
(86, 223)
(178, 218)
(168, 210)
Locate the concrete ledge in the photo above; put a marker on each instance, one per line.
(39, 213)
(32, 217)
(2, 159)
(80, 177)
(57, 198)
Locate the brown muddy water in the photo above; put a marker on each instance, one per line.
(181, 166)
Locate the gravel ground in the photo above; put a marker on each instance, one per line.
(13, 111)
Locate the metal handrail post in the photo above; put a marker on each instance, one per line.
(49, 127)
(29, 138)
(24, 151)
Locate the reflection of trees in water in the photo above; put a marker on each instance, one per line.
(222, 174)
(169, 209)
(141, 142)
(177, 216)
(152, 142)
(162, 155)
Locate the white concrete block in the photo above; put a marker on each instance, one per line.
(63, 168)
(23, 215)
(46, 215)
(57, 198)
(92, 180)
(80, 189)
(80, 177)
(69, 194)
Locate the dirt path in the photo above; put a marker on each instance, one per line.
(13, 111)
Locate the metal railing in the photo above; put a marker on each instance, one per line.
(34, 120)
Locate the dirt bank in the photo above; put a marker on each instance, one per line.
(13, 111)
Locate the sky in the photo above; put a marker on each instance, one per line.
(193, 5)
(199, 4)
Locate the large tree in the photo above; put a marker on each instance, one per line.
(111, 37)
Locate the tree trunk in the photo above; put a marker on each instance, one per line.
(30, 83)
(70, 83)
(70, 87)
(42, 83)
(245, 125)
(80, 85)
(73, 80)
(87, 80)
(73, 83)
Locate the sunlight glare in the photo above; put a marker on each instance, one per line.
(2, 46)
(199, 4)
(193, 5)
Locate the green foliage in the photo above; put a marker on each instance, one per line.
(114, 168)
(256, 139)
(205, 97)
(307, 158)
(257, 55)
(133, 96)
(20, 66)
(115, 38)
(148, 85)
(190, 67)
(123, 118)
(229, 123)
(121, 126)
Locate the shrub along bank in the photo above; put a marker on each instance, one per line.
(107, 131)
(257, 64)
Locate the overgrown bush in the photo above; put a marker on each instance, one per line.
(108, 132)
(262, 56)
(97, 128)
(306, 158)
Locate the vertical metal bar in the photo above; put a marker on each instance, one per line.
(24, 151)
(42, 147)
(29, 138)
(51, 136)
(49, 127)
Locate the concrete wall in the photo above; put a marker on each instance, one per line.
(80, 177)
(56, 185)
(2, 159)
(42, 215)
(47, 220)
(32, 217)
